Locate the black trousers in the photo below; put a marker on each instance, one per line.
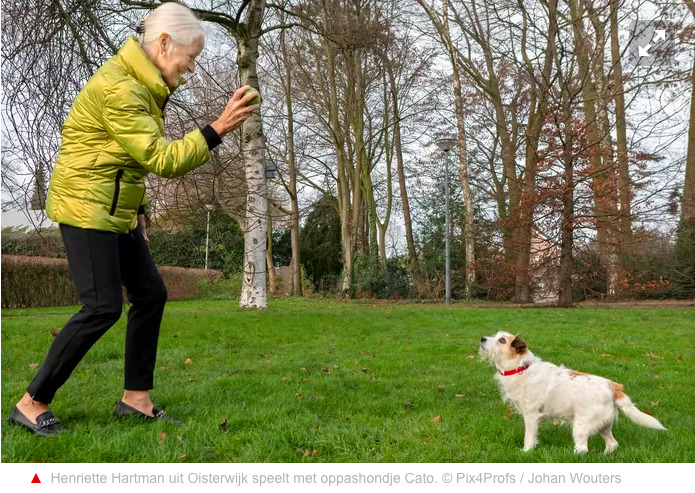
(101, 263)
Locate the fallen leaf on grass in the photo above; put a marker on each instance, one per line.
(470, 356)
(54, 332)
(647, 411)
(510, 411)
(162, 437)
(285, 379)
(224, 425)
(302, 369)
(656, 376)
(381, 341)
(188, 361)
(459, 395)
(436, 419)
(33, 365)
(309, 453)
(182, 457)
(605, 355)
(680, 359)
(373, 378)
(300, 396)
(164, 368)
(652, 355)
(654, 404)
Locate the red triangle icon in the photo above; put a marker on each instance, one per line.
(36, 479)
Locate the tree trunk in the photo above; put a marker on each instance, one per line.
(688, 205)
(347, 225)
(621, 131)
(609, 175)
(468, 234)
(356, 97)
(388, 147)
(270, 265)
(254, 293)
(401, 172)
(538, 107)
(600, 167)
(292, 169)
(565, 298)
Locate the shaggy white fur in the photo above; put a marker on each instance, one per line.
(539, 389)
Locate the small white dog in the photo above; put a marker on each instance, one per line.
(539, 389)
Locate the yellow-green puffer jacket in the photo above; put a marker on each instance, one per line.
(112, 138)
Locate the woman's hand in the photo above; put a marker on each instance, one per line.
(236, 111)
(142, 224)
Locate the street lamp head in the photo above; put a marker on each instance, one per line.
(270, 170)
(446, 143)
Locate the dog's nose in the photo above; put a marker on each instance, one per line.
(483, 339)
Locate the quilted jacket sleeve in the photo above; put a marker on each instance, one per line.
(127, 119)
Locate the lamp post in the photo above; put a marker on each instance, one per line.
(446, 144)
(209, 207)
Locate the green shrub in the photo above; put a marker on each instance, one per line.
(373, 281)
(42, 281)
(185, 246)
(41, 242)
(36, 281)
(320, 244)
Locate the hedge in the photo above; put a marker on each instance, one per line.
(29, 282)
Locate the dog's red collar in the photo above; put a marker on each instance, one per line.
(521, 369)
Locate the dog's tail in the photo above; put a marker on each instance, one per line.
(636, 416)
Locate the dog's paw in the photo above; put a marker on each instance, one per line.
(609, 450)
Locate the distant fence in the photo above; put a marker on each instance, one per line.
(43, 281)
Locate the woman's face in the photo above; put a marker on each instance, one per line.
(177, 60)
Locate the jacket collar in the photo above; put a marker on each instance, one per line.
(134, 59)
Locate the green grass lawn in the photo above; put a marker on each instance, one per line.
(320, 381)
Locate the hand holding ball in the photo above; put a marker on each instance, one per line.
(255, 100)
(245, 101)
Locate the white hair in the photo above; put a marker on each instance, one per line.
(174, 19)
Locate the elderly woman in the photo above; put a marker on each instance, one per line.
(112, 138)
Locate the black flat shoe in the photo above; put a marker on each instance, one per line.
(46, 425)
(122, 409)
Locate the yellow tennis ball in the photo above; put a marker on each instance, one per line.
(257, 99)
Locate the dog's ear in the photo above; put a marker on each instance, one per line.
(519, 345)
